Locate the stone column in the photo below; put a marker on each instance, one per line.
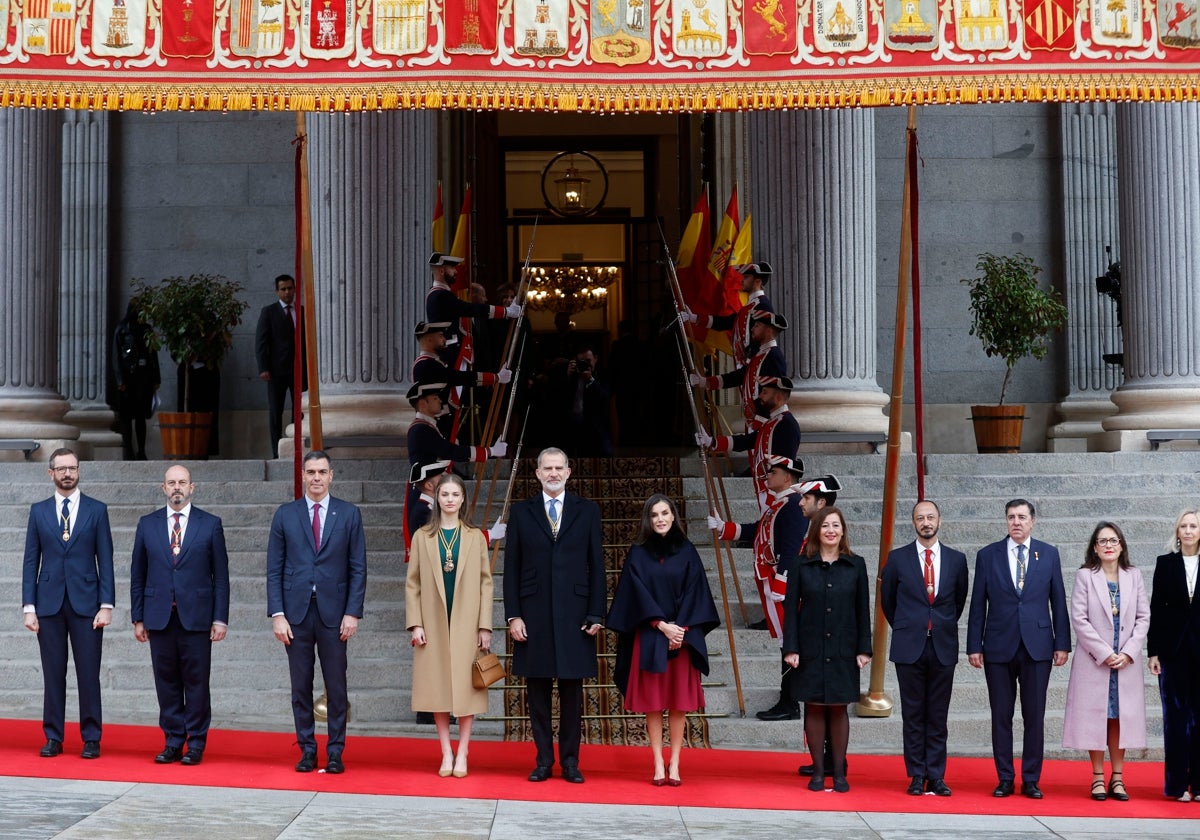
(1090, 225)
(372, 186)
(30, 201)
(84, 339)
(812, 193)
(1159, 169)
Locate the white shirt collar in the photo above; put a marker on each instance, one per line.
(185, 512)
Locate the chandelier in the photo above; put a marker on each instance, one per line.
(570, 288)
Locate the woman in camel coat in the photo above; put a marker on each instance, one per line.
(448, 609)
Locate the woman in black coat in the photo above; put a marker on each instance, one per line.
(662, 610)
(827, 638)
(1173, 647)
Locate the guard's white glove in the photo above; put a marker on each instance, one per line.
(688, 316)
(497, 531)
(696, 380)
(704, 439)
(715, 524)
(513, 310)
(499, 449)
(504, 375)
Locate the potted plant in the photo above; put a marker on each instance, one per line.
(1013, 318)
(193, 318)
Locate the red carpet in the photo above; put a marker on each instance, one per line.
(615, 775)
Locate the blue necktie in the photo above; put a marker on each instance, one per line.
(1020, 568)
(554, 516)
(66, 519)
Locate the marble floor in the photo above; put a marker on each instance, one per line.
(32, 809)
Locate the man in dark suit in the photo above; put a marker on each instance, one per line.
(275, 351)
(923, 594)
(68, 592)
(554, 599)
(1018, 625)
(316, 584)
(179, 602)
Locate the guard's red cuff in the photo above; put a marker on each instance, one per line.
(479, 454)
(730, 531)
(487, 538)
(712, 383)
(722, 443)
(486, 380)
(497, 312)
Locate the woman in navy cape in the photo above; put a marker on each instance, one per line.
(662, 610)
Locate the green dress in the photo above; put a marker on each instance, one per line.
(448, 542)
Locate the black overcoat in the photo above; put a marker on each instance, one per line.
(827, 621)
(556, 586)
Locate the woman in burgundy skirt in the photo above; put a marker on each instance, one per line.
(662, 610)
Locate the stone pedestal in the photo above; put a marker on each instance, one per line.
(372, 186)
(1159, 170)
(30, 199)
(821, 240)
(1090, 225)
(83, 336)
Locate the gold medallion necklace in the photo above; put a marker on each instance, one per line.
(449, 546)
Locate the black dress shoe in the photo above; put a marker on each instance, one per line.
(758, 625)
(938, 787)
(334, 765)
(1031, 790)
(782, 710)
(425, 718)
(169, 755)
(91, 749)
(571, 774)
(539, 774)
(307, 762)
(806, 769)
(816, 783)
(840, 785)
(1005, 788)
(194, 756)
(51, 749)
(917, 786)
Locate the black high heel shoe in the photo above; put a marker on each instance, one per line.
(1116, 788)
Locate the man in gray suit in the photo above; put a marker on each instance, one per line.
(68, 592)
(316, 585)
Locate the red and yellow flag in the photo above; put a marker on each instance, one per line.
(743, 247)
(691, 264)
(438, 231)
(462, 248)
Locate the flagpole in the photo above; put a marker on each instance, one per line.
(307, 309)
(875, 702)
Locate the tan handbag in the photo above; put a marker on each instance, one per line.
(487, 669)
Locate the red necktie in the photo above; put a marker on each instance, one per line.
(176, 539)
(317, 525)
(929, 582)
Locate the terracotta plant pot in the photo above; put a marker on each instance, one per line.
(998, 428)
(185, 434)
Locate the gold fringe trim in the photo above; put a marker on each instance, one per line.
(611, 98)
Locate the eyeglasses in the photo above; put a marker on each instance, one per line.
(67, 470)
(1106, 541)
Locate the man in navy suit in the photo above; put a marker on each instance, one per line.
(923, 594)
(554, 600)
(1018, 626)
(275, 352)
(68, 591)
(179, 602)
(316, 585)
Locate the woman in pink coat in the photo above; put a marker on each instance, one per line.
(1106, 696)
